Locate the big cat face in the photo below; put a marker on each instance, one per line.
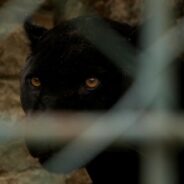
(78, 65)
(65, 71)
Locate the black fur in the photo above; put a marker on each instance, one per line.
(63, 58)
(33, 32)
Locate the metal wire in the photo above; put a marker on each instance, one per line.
(128, 125)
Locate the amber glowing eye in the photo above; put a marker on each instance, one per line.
(35, 82)
(92, 83)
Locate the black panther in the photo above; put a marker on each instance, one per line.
(68, 71)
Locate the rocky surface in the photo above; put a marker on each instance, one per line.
(13, 52)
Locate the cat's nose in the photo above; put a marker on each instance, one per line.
(49, 101)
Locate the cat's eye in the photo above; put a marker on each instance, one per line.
(35, 81)
(92, 83)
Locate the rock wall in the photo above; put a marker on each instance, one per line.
(13, 52)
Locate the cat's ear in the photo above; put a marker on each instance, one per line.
(135, 36)
(34, 32)
(131, 33)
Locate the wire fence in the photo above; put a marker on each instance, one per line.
(154, 130)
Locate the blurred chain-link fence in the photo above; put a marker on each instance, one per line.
(156, 125)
